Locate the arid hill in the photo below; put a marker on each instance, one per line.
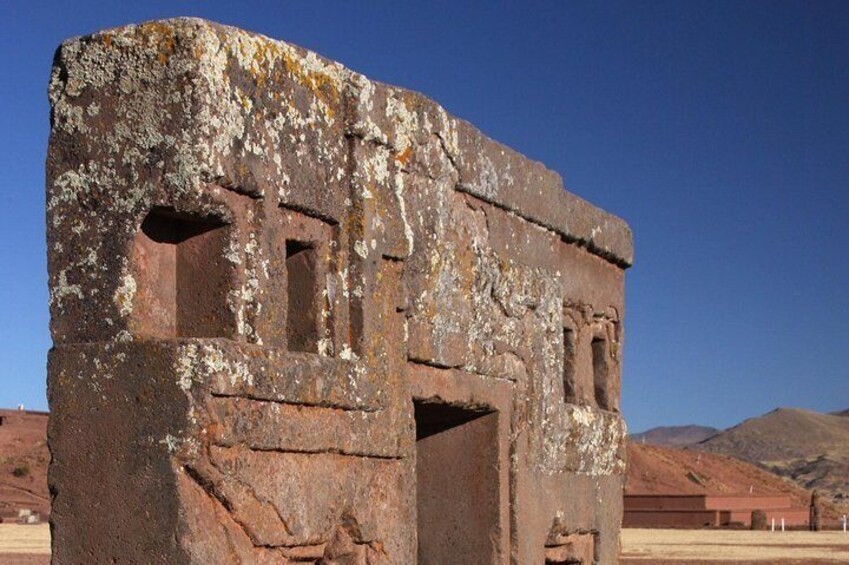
(664, 470)
(808, 447)
(674, 436)
(23, 463)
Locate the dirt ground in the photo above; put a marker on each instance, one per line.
(720, 547)
(24, 545)
(30, 545)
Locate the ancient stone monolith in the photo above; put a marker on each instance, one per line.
(300, 316)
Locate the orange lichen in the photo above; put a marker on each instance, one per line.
(413, 101)
(160, 36)
(258, 57)
(404, 156)
(321, 84)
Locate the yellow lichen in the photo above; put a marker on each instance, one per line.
(159, 36)
(322, 85)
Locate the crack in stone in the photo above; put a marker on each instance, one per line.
(330, 405)
(318, 451)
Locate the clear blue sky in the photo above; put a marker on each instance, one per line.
(718, 130)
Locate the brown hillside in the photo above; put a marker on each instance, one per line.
(808, 447)
(664, 470)
(23, 463)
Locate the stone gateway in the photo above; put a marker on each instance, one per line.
(303, 317)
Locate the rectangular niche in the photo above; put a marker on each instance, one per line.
(181, 277)
(601, 373)
(570, 391)
(457, 484)
(304, 295)
(309, 295)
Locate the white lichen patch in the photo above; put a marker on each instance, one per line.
(347, 353)
(123, 336)
(406, 122)
(185, 364)
(361, 249)
(402, 205)
(124, 294)
(325, 347)
(232, 252)
(171, 443)
(196, 363)
(596, 437)
(488, 182)
(62, 290)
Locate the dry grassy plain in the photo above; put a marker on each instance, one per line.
(24, 545)
(30, 545)
(717, 547)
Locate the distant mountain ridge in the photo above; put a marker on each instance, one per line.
(808, 447)
(674, 436)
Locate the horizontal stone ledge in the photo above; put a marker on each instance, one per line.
(221, 367)
(269, 426)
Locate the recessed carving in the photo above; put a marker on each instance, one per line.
(601, 373)
(303, 291)
(570, 392)
(180, 279)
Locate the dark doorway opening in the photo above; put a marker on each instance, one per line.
(457, 486)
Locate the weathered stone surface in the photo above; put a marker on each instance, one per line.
(300, 316)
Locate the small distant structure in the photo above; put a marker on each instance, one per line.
(700, 510)
(27, 516)
(20, 407)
